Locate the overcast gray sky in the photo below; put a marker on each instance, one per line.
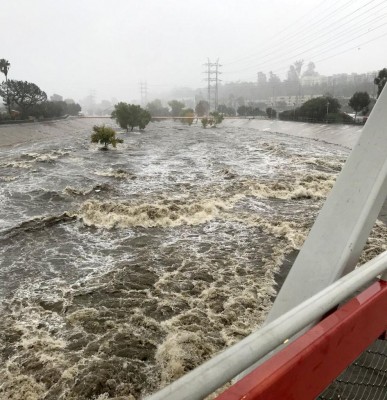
(71, 47)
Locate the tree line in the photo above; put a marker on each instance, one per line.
(320, 109)
(130, 116)
(177, 109)
(328, 109)
(24, 99)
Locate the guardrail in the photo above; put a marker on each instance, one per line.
(305, 368)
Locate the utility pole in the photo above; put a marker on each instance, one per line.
(91, 102)
(212, 75)
(216, 83)
(144, 93)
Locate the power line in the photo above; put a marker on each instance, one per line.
(282, 70)
(328, 42)
(353, 48)
(144, 93)
(297, 32)
(338, 36)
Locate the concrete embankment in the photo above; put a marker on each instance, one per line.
(343, 135)
(14, 134)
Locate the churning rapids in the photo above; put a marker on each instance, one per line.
(122, 270)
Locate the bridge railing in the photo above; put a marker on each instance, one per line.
(309, 364)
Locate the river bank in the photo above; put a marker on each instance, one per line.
(15, 134)
(342, 135)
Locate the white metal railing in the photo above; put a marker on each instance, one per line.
(214, 373)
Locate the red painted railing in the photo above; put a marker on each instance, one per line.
(309, 364)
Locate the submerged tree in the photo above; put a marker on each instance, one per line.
(130, 115)
(156, 109)
(4, 68)
(271, 113)
(188, 116)
(205, 122)
(359, 101)
(226, 110)
(104, 135)
(176, 107)
(216, 117)
(202, 108)
(144, 118)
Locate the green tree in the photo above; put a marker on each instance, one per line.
(359, 101)
(243, 110)
(318, 108)
(225, 110)
(202, 108)
(271, 113)
(4, 68)
(48, 109)
(176, 107)
(206, 121)
(189, 115)
(144, 118)
(104, 135)
(56, 97)
(156, 109)
(216, 117)
(251, 110)
(381, 80)
(130, 115)
(122, 115)
(73, 108)
(24, 94)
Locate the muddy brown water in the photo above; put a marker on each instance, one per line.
(122, 270)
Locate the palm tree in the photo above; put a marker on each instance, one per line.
(4, 68)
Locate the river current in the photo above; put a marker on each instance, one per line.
(121, 270)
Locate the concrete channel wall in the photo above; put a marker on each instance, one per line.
(14, 134)
(343, 135)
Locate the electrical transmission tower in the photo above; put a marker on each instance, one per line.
(144, 93)
(212, 77)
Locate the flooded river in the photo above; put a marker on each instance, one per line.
(121, 270)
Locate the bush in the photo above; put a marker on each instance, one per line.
(319, 109)
(105, 136)
(205, 122)
(339, 118)
(189, 115)
(217, 118)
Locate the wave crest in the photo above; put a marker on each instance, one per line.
(170, 213)
(311, 186)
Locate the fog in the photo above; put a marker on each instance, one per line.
(75, 48)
